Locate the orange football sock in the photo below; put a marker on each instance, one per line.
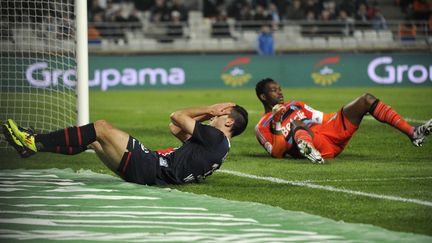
(302, 134)
(386, 114)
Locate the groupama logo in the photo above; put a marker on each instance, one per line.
(323, 72)
(233, 74)
(41, 75)
(382, 70)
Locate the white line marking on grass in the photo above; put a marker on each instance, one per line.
(372, 179)
(102, 197)
(327, 188)
(43, 182)
(406, 119)
(11, 189)
(79, 189)
(106, 207)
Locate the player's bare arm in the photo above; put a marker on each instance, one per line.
(183, 121)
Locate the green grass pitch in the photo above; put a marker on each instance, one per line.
(378, 160)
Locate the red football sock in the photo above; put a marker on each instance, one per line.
(64, 150)
(386, 114)
(302, 134)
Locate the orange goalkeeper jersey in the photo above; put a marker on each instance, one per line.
(277, 145)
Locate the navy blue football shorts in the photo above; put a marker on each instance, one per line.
(139, 164)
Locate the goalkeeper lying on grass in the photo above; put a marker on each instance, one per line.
(204, 149)
(294, 128)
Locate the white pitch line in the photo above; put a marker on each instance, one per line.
(406, 119)
(328, 188)
(370, 179)
(86, 196)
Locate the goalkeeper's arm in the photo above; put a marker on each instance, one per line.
(279, 143)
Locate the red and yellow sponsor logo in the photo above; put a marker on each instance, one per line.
(234, 74)
(324, 74)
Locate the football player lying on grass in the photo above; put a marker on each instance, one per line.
(294, 128)
(204, 148)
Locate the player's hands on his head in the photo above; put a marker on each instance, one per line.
(221, 109)
(278, 112)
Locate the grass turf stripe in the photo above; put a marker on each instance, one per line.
(328, 188)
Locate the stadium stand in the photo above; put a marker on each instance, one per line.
(228, 25)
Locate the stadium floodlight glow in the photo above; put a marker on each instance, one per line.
(43, 50)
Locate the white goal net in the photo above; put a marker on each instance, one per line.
(37, 64)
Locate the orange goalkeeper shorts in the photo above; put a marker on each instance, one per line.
(331, 137)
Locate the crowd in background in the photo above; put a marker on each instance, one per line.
(260, 10)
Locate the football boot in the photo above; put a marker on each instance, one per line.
(307, 150)
(25, 136)
(420, 133)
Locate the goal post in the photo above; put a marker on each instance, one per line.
(43, 64)
(82, 62)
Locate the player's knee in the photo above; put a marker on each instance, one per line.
(367, 100)
(102, 127)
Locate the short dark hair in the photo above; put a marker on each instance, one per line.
(240, 116)
(261, 86)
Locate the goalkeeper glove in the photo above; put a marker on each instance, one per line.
(278, 112)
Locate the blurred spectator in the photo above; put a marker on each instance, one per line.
(295, 11)
(133, 20)
(378, 21)
(220, 26)
(94, 7)
(421, 9)
(372, 9)
(274, 15)
(94, 36)
(239, 10)
(159, 12)
(260, 17)
(405, 6)
(362, 18)
(141, 5)
(430, 24)
(407, 31)
(330, 7)
(210, 8)
(245, 12)
(346, 23)
(309, 28)
(110, 11)
(263, 3)
(314, 6)
(179, 7)
(265, 45)
(360, 2)
(282, 6)
(327, 25)
(261, 14)
(175, 26)
(348, 6)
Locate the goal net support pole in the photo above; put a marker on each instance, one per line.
(82, 87)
